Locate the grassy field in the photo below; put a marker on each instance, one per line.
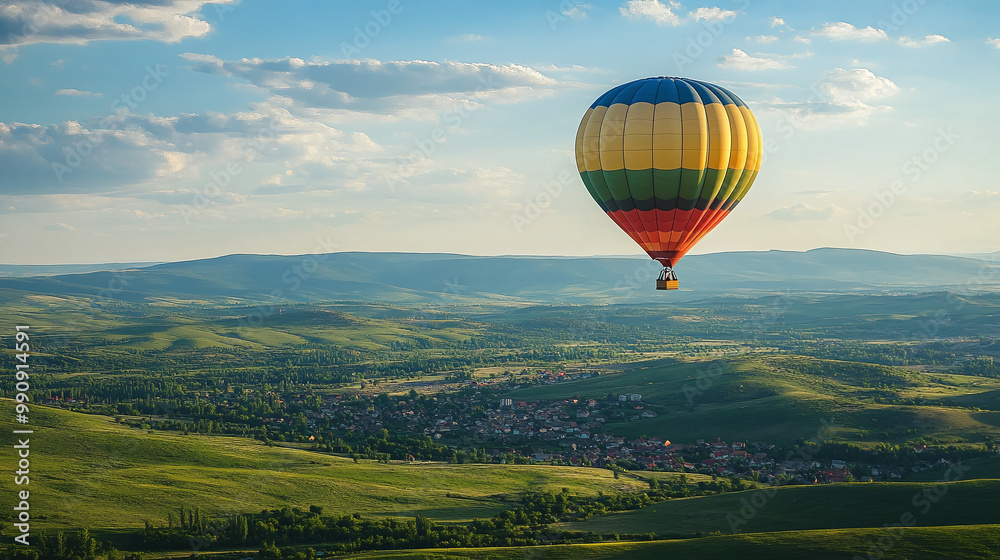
(88, 471)
(975, 542)
(293, 328)
(980, 467)
(146, 327)
(783, 398)
(828, 506)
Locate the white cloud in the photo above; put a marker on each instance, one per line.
(308, 159)
(760, 85)
(470, 37)
(61, 226)
(78, 92)
(280, 213)
(80, 21)
(814, 192)
(926, 41)
(777, 22)
(805, 40)
(664, 13)
(858, 85)
(711, 14)
(803, 212)
(983, 195)
(845, 97)
(577, 11)
(159, 157)
(653, 10)
(995, 43)
(764, 39)
(391, 88)
(573, 68)
(843, 31)
(740, 60)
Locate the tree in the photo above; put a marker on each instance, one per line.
(59, 548)
(269, 552)
(86, 547)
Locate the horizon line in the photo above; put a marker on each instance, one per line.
(144, 264)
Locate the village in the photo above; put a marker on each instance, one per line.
(574, 432)
(560, 431)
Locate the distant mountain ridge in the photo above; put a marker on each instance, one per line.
(29, 270)
(442, 278)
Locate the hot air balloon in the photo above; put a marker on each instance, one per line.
(667, 159)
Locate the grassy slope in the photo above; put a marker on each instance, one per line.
(980, 467)
(88, 471)
(301, 327)
(76, 318)
(951, 543)
(833, 506)
(767, 398)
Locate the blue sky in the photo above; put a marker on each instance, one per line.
(179, 129)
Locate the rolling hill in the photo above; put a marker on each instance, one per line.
(444, 279)
(93, 472)
(781, 399)
(825, 506)
(975, 542)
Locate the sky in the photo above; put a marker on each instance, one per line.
(163, 130)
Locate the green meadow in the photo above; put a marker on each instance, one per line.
(825, 506)
(970, 542)
(783, 398)
(88, 471)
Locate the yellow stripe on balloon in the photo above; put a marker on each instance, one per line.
(638, 139)
(592, 139)
(738, 131)
(668, 140)
(719, 136)
(612, 133)
(580, 166)
(754, 140)
(694, 128)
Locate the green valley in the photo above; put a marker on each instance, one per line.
(784, 424)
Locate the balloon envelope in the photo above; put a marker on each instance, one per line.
(667, 159)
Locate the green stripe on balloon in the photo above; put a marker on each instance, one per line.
(666, 183)
(593, 191)
(601, 187)
(640, 183)
(618, 184)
